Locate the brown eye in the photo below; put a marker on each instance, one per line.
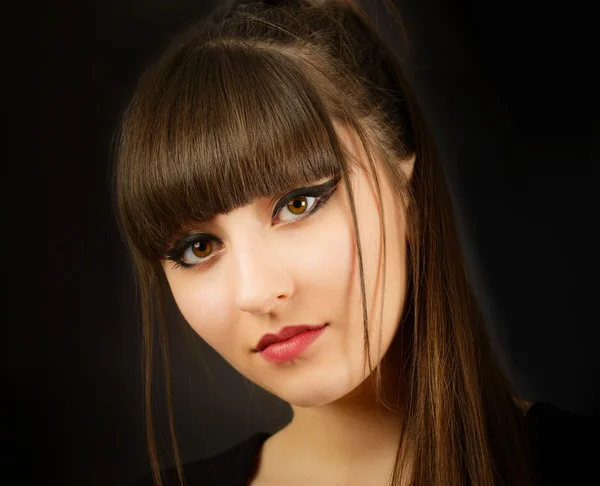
(297, 205)
(202, 249)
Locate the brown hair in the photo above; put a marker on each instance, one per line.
(245, 108)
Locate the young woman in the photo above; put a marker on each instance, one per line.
(275, 175)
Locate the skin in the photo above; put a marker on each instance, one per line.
(268, 276)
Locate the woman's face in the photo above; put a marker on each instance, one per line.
(265, 274)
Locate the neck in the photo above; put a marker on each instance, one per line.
(348, 430)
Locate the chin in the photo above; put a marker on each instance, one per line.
(314, 393)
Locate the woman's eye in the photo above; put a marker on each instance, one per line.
(200, 249)
(297, 206)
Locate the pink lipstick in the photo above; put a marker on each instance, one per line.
(289, 349)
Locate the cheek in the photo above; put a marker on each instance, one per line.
(321, 261)
(369, 221)
(205, 307)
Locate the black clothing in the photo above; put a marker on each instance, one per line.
(563, 444)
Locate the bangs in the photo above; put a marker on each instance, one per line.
(211, 131)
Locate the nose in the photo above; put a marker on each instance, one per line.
(261, 281)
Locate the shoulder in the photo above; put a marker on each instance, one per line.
(231, 467)
(564, 444)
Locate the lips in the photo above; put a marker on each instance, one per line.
(285, 334)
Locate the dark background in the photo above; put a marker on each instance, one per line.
(510, 91)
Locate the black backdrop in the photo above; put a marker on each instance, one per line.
(510, 91)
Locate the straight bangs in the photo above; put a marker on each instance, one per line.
(211, 132)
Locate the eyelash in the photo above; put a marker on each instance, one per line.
(176, 253)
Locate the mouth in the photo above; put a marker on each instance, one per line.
(286, 350)
(285, 334)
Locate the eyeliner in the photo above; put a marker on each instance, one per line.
(310, 191)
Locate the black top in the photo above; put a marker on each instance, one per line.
(564, 444)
